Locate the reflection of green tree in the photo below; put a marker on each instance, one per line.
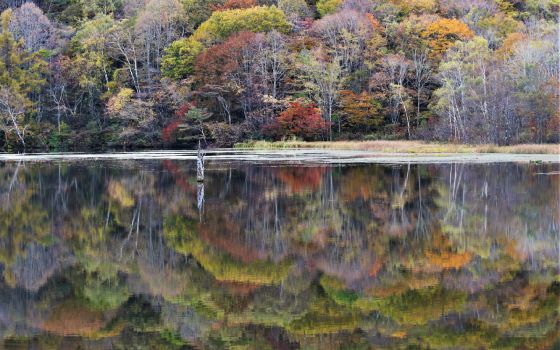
(22, 221)
(105, 294)
(413, 307)
(181, 236)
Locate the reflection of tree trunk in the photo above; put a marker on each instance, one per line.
(200, 199)
(199, 164)
(420, 220)
(14, 178)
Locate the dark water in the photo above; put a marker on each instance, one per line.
(123, 255)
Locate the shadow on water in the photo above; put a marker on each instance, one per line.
(126, 254)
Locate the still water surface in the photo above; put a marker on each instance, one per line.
(109, 254)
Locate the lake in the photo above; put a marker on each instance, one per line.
(279, 250)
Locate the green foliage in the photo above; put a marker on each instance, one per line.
(199, 10)
(180, 56)
(325, 7)
(221, 265)
(222, 24)
(59, 139)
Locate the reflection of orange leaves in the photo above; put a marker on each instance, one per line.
(301, 179)
(399, 334)
(512, 250)
(72, 318)
(374, 270)
(357, 184)
(449, 260)
(445, 256)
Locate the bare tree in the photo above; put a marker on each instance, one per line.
(158, 24)
(12, 112)
(396, 67)
(324, 74)
(123, 41)
(30, 24)
(422, 76)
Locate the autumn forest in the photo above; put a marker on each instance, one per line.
(98, 74)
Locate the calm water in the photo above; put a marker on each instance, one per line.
(133, 254)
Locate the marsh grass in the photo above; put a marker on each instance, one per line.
(405, 147)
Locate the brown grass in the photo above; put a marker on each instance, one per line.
(406, 147)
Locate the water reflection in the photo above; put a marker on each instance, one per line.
(117, 254)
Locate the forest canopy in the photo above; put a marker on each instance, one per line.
(167, 73)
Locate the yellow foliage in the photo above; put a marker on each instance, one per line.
(119, 101)
(419, 6)
(120, 194)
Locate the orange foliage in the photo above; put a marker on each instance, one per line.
(448, 260)
(399, 334)
(375, 268)
(375, 24)
(360, 110)
(236, 4)
(509, 44)
(443, 33)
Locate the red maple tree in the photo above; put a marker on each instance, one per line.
(299, 120)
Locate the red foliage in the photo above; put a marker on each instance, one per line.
(215, 64)
(299, 120)
(169, 130)
(184, 109)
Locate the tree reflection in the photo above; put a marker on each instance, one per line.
(434, 256)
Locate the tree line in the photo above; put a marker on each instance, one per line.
(166, 73)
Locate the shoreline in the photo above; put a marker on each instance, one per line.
(292, 156)
(402, 147)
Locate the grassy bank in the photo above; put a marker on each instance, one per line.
(405, 147)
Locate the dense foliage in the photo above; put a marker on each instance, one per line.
(77, 73)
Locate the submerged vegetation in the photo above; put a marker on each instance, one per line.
(94, 74)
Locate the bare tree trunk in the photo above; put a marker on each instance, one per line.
(200, 164)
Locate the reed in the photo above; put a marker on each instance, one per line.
(385, 146)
